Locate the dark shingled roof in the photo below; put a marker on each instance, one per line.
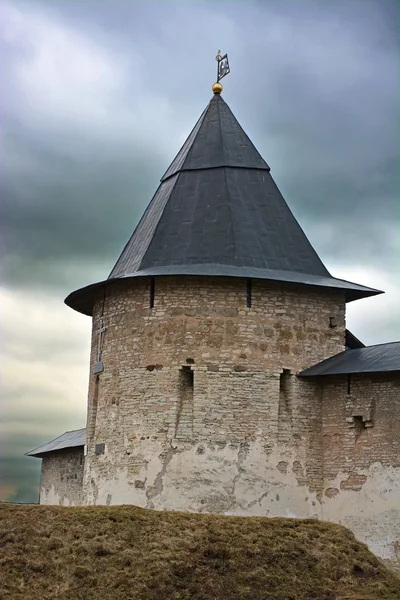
(69, 439)
(218, 212)
(370, 359)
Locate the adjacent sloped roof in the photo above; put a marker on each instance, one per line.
(370, 359)
(218, 212)
(352, 342)
(69, 439)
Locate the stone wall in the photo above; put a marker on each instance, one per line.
(198, 405)
(361, 446)
(62, 477)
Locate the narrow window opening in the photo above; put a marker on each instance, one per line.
(284, 382)
(348, 385)
(249, 293)
(187, 377)
(332, 322)
(184, 414)
(285, 408)
(152, 291)
(100, 448)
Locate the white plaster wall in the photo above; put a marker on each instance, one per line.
(372, 512)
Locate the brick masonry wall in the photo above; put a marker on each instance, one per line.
(246, 439)
(62, 477)
(361, 446)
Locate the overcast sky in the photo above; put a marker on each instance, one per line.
(97, 98)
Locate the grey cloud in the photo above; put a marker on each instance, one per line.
(324, 124)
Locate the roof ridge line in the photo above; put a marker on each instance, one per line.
(196, 128)
(142, 218)
(226, 181)
(53, 440)
(364, 348)
(381, 344)
(217, 167)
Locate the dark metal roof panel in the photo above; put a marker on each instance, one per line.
(69, 439)
(217, 140)
(222, 216)
(370, 359)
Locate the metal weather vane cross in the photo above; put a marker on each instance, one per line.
(223, 65)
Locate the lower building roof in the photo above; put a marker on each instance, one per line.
(69, 439)
(371, 359)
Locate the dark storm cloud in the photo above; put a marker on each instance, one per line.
(329, 105)
(57, 211)
(315, 87)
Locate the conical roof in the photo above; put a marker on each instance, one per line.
(217, 211)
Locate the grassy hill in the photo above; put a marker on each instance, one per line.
(120, 553)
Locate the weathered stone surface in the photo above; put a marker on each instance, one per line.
(215, 447)
(62, 478)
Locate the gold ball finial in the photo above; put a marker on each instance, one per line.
(217, 88)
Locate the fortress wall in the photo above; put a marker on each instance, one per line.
(198, 406)
(361, 445)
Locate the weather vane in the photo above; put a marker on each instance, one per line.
(222, 70)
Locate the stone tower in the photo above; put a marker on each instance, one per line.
(216, 303)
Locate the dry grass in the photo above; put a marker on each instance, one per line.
(120, 553)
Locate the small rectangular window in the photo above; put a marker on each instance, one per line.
(359, 424)
(100, 448)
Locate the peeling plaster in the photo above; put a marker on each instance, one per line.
(371, 511)
(240, 479)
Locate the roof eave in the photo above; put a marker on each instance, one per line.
(35, 454)
(379, 358)
(309, 372)
(83, 299)
(75, 441)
